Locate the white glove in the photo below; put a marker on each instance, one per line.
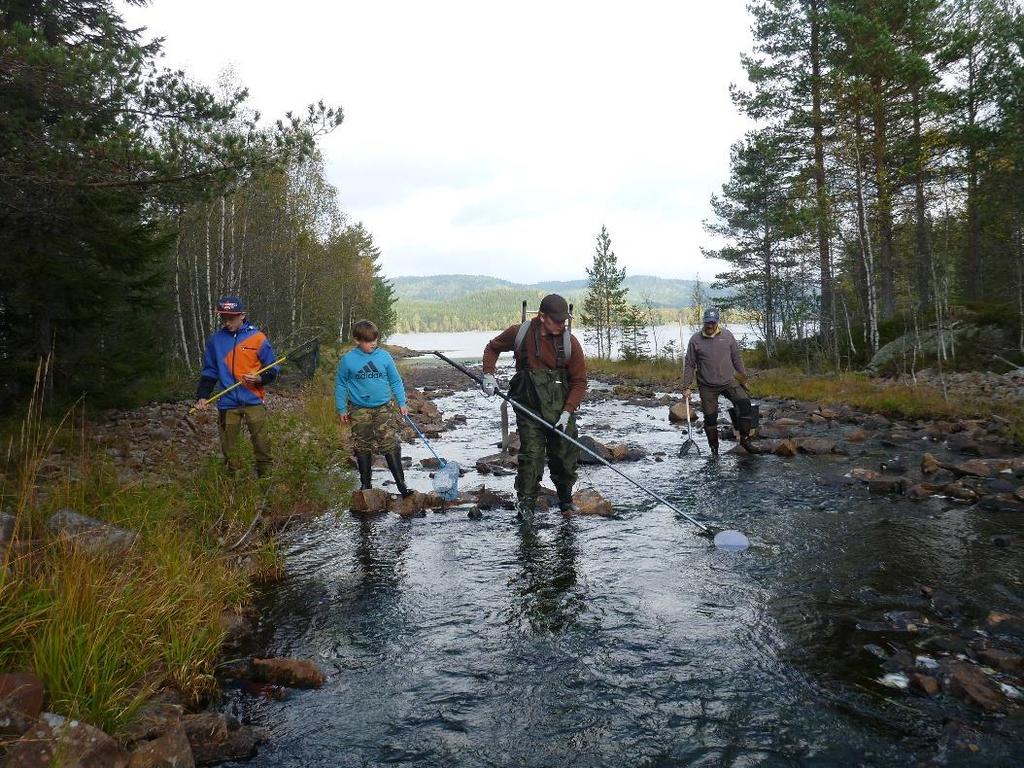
(563, 421)
(489, 384)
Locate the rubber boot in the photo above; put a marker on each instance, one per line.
(565, 503)
(712, 433)
(394, 460)
(525, 510)
(365, 463)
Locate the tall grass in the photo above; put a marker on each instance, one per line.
(103, 632)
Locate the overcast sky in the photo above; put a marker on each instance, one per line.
(488, 138)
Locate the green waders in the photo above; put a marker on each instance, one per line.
(543, 392)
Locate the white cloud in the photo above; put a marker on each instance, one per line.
(496, 139)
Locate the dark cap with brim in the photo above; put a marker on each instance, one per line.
(230, 305)
(555, 307)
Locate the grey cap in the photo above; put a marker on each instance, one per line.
(711, 315)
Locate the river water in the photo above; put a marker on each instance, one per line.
(626, 641)
(469, 345)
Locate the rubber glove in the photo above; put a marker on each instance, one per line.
(563, 421)
(489, 384)
(741, 378)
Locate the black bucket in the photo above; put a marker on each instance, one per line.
(755, 417)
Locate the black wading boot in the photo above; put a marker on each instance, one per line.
(394, 460)
(712, 433)
(365, 463)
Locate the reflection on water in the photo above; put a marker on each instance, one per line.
(627, 641)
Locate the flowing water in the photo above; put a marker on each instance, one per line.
(627, 641)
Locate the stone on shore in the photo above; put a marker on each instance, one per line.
(56, 742)
(172, 750)
(216, 738)
(92, 535)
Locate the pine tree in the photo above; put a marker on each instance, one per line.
(605, 299)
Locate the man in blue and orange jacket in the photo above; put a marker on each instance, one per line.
(235, 353)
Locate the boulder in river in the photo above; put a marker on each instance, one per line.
(370, 500)
(968, 683)
(497, 464)
(293, 673)
(817, 446)
(677, 413)
(407, 506)
(929, 464)
(598, 448)
(590, 502)
(886, 484)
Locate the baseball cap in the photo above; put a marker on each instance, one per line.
(230, 305)
(711, 315)
(555, 307)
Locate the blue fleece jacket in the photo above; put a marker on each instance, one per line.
(367, 380)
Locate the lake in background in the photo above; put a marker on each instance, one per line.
(469, 345)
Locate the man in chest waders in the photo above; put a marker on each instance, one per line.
(550, 380)
(714, 356)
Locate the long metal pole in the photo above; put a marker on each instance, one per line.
(527, 412)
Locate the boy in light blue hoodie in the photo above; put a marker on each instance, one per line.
(364, 385)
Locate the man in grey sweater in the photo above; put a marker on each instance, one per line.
(714, 356)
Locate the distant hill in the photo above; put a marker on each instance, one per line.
(478, 302)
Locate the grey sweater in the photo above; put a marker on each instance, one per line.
(715, 360)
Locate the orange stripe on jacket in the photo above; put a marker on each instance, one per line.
(245, 358)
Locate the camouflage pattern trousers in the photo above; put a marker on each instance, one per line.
(229, 422)
(373, 429)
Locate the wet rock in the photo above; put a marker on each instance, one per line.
(787, 423)
(237, 627)
(407, 506)
(216, 738)
(370, 500)
(590, 502)
(172, 750)
(923, 684)
(973, 468)
(876, 651)
(1004, 660)
(929, 464)
(489, 499)
(816, 446)
(499, 464)
(159, 715)
(960, 491)
(1002, 540)
(1019, 494)
(856, 436)
(294, 673)
(942, 477)
(899, 661)
(1000, 503)
(785, 448)
(60, 743)
(919, 491)
(474, 513)
(618, 451)
(92, 535)
(896, 485)
(677, 413)
(863, 474)
(997, 485)
(774, 432)
(970, 684)
(598, 448)
(1001, 623)
(896, 466)
(430, 463)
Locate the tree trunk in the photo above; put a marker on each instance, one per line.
(886, 261)
(827, 314)
(922, 241)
